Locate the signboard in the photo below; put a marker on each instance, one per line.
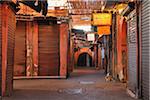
(91, 37)
(103, 30)
(81, 20)
(102, 19)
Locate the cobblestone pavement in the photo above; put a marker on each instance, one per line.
(83, 84)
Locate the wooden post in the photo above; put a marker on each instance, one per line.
(63, 49)
(4, 45)
(99, 59)
(96, 55)
(35, 49)
(29, 69)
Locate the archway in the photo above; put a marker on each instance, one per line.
(81, 51)
(84, 60)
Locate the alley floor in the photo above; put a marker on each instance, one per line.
(84, 84)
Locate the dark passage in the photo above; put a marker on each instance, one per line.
(84, 60)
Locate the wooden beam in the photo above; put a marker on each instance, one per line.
(4, 45)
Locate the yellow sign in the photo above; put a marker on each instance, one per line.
(102, 19)
(103, 30)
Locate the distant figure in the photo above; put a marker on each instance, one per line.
(103, 56)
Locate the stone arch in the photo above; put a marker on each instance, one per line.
(83, 50)
(83, 61)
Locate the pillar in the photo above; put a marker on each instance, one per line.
(29, 46)
(63, 49)
(96, 55)
(35, 48)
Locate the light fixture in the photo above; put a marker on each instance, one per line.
(131, 0)
(103, 7)
(102, 2)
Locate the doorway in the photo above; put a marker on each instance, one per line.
(84, 60)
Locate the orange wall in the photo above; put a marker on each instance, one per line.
(121, 45)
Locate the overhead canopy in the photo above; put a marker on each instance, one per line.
(87, 7)
(38, 5)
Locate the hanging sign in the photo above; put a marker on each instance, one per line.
(102, 19)
(103, 30)
(90, 36)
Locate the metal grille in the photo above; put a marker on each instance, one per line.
(132, 52)
(145, 48)
(48, 50)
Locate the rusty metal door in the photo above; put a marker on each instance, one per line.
(132, 52)
(48, 49)
(20, 49)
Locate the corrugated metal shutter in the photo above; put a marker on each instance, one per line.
(145, 49)
(48, 50)
(0, 49)
(10, 51)
(20, 48)
(132, 52)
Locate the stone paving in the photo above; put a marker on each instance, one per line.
(83, 84)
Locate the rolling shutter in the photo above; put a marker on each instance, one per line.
(20, 48)
(145, 49)
(48, 49)
(10, 51)
(132, 52)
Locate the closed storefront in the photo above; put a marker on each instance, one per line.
(20, 49)
(37, 49)
(145, 42)
(48, 49)
(132, 52)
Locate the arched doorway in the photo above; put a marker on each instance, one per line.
(84, 60)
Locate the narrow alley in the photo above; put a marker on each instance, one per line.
(82, 85)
